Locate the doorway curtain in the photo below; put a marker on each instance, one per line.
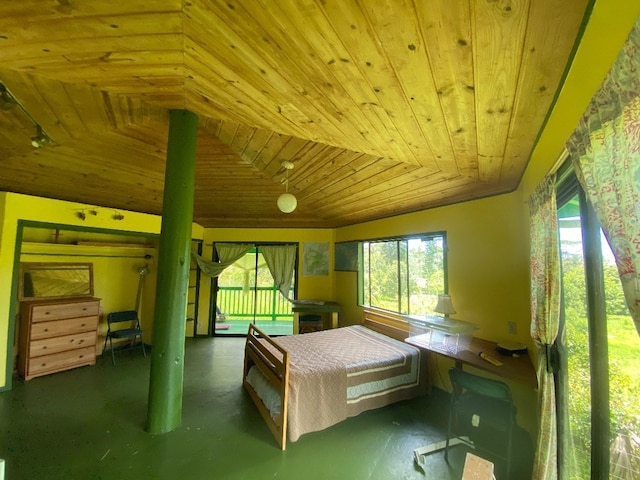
(228, 254)
(281, 260)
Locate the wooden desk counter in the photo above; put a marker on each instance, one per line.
(327, 307)
(519, 369)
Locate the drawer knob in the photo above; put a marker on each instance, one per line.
(83, 325)
(46, 329)
(80, 356)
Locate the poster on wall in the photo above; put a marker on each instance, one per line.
(346, 257)
(315, 259)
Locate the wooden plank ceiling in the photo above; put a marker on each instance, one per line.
(383, 106)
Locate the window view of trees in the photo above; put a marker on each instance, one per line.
(624, 358)
(403, 275)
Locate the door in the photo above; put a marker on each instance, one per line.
(599, 349)
(247, 294)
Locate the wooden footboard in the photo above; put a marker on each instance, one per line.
(274, 365)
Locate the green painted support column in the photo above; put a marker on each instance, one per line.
(167, 357)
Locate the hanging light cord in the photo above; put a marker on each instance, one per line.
(286, 181)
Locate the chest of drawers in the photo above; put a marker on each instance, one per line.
(56, 335)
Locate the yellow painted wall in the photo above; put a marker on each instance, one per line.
(3, 201)
(488, 260)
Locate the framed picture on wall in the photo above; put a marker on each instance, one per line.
(315, 259)
(346, 258)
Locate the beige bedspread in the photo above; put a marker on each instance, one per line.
(339, 373)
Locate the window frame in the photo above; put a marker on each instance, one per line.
(567, 186)
(364, 263)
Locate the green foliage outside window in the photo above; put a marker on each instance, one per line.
(624, 362)
(404, 275)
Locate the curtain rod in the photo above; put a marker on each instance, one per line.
(558, 163)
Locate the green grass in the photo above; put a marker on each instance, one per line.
(624, 363)
(624, 344)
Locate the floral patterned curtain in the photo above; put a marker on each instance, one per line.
(545, 319)
(605, 150)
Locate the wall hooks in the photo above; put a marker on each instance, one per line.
(82, 213)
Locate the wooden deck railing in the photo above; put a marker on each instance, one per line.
(238, 304)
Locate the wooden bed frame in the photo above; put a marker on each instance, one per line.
(277, 372)
(389, 324)
(276, 367)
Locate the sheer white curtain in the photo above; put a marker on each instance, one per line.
(281, 260)
(228, 253)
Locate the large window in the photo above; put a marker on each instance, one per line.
(599, 350)
(403, 275)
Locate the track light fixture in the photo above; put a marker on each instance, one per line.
(41, 138)
(8, 101)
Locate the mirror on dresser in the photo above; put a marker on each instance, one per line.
(58, 318)
(55, 280)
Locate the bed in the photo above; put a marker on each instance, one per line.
(305, 383)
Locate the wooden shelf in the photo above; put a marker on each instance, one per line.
(62, 249)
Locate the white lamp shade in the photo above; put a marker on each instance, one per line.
(444, 305)
(287, 203)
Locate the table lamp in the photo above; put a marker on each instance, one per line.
(444, 305)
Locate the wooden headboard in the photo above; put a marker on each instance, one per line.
(390, 324)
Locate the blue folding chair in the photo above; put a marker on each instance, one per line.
(121, 325)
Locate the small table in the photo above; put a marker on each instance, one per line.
(305, 308)
(519, 369)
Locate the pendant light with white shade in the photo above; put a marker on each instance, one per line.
(287, 202)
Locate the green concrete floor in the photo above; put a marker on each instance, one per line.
(88, 424)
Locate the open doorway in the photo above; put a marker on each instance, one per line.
(247, 293)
